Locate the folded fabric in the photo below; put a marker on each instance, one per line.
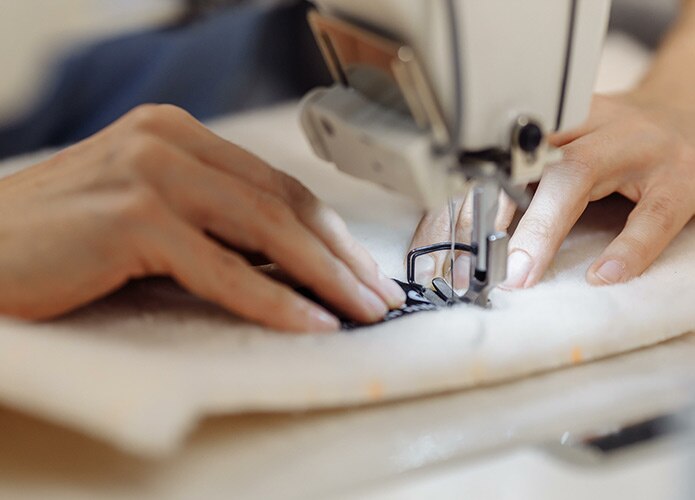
(141, 368)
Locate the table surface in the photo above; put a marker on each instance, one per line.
(374, 451)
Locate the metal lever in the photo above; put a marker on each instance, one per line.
(482, 283)
(488, 248)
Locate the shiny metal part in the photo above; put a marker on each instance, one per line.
(385, 71)
(439, 247)
(482, 284)
(388, 73)
(445, 291)
(420, 96)
(322, 34)
(485, 205)
(625, 442)
(403, 69)
(453, 222)
(488, 248)
(489, 265)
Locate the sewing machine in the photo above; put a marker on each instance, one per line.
(438, 98)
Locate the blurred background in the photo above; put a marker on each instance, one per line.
(71, 67)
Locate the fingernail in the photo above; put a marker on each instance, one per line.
(424, 270)
(611, 272)
(375, 307)
(395, 296)
(462, 266)
(321, 320)
(518, 269)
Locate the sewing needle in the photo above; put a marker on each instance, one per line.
(452, 255)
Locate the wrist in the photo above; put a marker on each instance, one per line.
(671, 78)
(667, 87)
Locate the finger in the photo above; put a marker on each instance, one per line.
(333, 232)
(602, 111)
(434, 227)
(256, 221)
(298, 251)
(462, 261)
(462, 265)
(561, 198)
(195, 139)
(178, 128)
(223, 277)
(593, 167)
(507, 211)
(652, 225)
(330, 228)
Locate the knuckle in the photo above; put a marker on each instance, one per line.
(657, 144)
(638, 248)
(143, 153)
(297, 193)
(136, 206)
(152, 117)
(504, 218)
(283, 302)
(436, 226)
(650, 130)
(659, 211)
(144, 117)
(231, 263)
(141, 200)
(169, 110)
(538, 228)
(277, 212)
(685, 162)
(465, 221)
(575, 165)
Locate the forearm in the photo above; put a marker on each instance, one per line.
(671, 78)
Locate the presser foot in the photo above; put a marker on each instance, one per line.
(481, 284)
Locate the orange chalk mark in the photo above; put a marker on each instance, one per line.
(478, 370)
(577, 355)
(375, 390)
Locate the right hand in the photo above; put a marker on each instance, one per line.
(140, 199)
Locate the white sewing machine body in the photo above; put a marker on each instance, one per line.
(536, 58)
(433, 94)
(514, 57)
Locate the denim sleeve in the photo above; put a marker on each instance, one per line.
(232, 60)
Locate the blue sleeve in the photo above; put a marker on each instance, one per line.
(234, 60)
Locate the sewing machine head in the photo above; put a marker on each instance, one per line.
(435, 97)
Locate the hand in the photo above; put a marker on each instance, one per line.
(435, 227)
(144, 196)
(632, 144)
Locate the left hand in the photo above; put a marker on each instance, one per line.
(640, 147)
(154, 194)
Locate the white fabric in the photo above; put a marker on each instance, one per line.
(141, 368)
